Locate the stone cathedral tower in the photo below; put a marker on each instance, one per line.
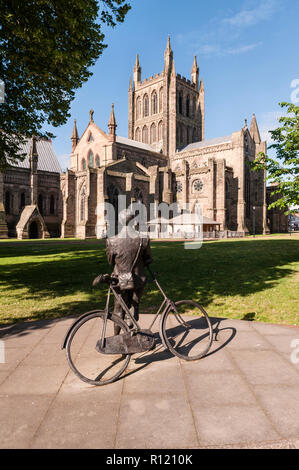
(166, 110)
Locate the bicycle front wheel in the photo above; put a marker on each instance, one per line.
(186, 330)
(88, 364)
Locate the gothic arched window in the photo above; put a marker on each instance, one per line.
(82, 204)
(145, 135)
(83, 164)
(226, 189)
(145, 106)
(82, 209)
(98, 161)
(90, 159)
(194, 135)
(177, 135)
(160, 131)
(52, 205)
(138, 108)
(138, 195)
(153, 133)
(113, 194)
(41, 204)
(154, 103)
(180, 103)
(182, 134)
(22, 201)
(161, 100)
(138, 134)
(7, 202)
(188, 106)
(187, 135)
(194, 107)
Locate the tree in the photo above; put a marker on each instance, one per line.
(283, 171)
(47, 48)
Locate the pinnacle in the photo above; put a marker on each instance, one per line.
(112, 121)
(254, 130)
(195, 66)
(137, 64)
(33, 149)
(168, 47)
(75, 131)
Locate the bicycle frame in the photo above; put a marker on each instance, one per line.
(165, 305)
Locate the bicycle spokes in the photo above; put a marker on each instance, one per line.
(187, 331)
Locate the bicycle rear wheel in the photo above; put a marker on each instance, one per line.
(88, 364)
(187, 330)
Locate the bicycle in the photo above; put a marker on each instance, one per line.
(98, 357)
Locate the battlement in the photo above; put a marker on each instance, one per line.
(152, 78)
(185, 80)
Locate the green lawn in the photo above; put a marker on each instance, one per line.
(254, 278)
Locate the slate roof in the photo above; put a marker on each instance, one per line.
(134, 143)
(207, 143)
(47, 160)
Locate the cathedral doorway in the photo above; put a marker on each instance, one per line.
(33, 230)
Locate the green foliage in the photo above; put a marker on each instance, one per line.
(47, 48)
(283, 171)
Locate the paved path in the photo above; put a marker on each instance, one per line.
(244, 394)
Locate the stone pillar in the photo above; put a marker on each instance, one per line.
(220, 194)
(185, 191)
(239, 155)
(69, 206)
(101, 223)
(211, 200)
(167, 189)
(131, 111)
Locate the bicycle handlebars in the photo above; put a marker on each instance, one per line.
(104, 278)
(108, 279)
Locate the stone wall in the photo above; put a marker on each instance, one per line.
(17, 193)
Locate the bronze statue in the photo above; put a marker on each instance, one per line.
(129, 253)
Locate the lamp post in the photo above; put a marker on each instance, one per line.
(253, 208)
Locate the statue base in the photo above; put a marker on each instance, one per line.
(129, 343)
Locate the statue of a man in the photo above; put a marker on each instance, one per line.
(129, 253)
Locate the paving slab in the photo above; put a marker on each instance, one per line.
(243, 394)
(284, 343)
(217, 388)
(27, 380)
(281, 405)
(270, 329)
(232, 424)
(20, 416)
(155, 421)
(265, 367)
(13, 356)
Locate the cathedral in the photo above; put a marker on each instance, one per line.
(165, 158)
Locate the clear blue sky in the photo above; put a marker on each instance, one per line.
(247, 52)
